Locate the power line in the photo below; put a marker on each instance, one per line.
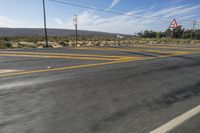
(87, 7)
(121, 11)
(113, 12)
(92, 4)
(106, 11)
(80, 1)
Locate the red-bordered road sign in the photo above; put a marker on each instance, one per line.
(173, 24)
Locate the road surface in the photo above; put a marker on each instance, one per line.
(100, 90)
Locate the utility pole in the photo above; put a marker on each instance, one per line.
(75, 21)
(193, 29)
(45, 24)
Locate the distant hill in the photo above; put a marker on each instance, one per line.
(51, 32)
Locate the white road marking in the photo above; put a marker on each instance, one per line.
(2, 71)
(177, 121)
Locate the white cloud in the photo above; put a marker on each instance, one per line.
(114, 3)
(6, 22)
(182, 11)
(133, 21)
(153, 6)
(60, 22)
(89, 20)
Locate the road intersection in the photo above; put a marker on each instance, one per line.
(99, 89)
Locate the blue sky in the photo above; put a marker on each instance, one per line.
(140, 14)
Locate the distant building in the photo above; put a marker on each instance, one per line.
(120, 36)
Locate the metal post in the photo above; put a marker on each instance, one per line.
(45, 25)
(193, 28)
(76, 28)
(75, 21)
(172, 34)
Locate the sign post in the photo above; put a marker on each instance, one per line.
(193, 29)
(75, 21)
(172, 26)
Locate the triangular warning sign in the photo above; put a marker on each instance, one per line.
(173, 24)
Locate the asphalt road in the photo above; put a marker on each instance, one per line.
(98, 90)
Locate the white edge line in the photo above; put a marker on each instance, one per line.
(177, 121)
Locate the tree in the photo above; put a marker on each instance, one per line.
(178, 32)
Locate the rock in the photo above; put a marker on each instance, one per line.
(49, 67)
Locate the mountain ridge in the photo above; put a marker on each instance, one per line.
(51, 32)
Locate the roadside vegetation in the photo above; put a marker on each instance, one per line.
(178, 33)
(179, 36)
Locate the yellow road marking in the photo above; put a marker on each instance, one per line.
(170, 47)
(124, 49)
(63, 54)
(119, 59)
(87, 65)
(59, 57)
(133, 50)
(182, 53)
(70, 67)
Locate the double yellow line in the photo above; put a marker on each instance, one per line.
(111, 58)
(69, 67)
(156, 51)
(119, 60)
(173, 47)
(65, 56)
